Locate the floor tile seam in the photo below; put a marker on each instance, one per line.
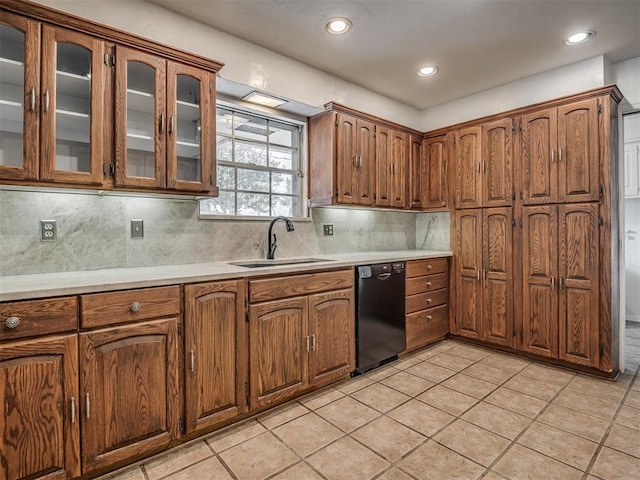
(302, 457)
(282, 470)
(220, 459)
(462, 454)
(285, 405)
(607, 432)
(378, 411)
(589, 395)
(183, 468)
(390, 467)
(510, 409)
(459, 415)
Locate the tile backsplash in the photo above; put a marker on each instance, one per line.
(94, 232)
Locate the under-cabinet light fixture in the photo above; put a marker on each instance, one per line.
(264, 99)
(579, 38)
(338, 25)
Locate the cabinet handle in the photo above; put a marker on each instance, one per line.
(561, 283)
(444, 204)
(12, 322)
(478, 275)
(313, 343)
(171, 125)
(87, 404)
(559, 154)
(429, 284)
(46, 100)
(135, 307)
(359, 161)
(429, 300)
(308, 340)
(484, 166)
(355, 161)
(478, 167)
(73, 410)
(161, 126)
(552, 155)
(393, 168)
(484, 274)
(192, 360)
(429, 317)
(32, 99)
(553, 283)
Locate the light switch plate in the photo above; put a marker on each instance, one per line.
(137, 229)
(48, 230)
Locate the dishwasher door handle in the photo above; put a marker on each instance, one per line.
(384, 275)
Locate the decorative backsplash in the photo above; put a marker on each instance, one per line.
(94, 233)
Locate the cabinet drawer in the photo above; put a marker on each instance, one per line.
(427, 300)
(102, 309)
(39, 317)
(294, 285)
(419, 268)
(427, 283)
(427, 326)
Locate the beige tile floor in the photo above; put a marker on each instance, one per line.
(451, 411)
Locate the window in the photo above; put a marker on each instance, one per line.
(259, 166)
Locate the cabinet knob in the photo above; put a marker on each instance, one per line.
(444, 204)
(135, 307)
(429, 300)
(429, 317)
(12, 322)
(429, 284)
(429, 267)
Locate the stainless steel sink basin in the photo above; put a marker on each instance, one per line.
(273, 263)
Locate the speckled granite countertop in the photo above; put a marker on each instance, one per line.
(22, 287)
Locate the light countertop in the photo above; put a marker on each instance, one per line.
(22, 287)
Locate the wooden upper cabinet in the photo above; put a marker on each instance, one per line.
(468, 271)
(383, 166)
(129, 391)
(468, 181)
(435, 191)
(497, 163)
(578, 286)
(417, 173)
(215, 353)
(365, 162)
(538, 151)
(578, 152)
(540, 279)
(331, 329)
(497, 275)
(19, 98)
(355, 160)
(39, 435)
(399, 166)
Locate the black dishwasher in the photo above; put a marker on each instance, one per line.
(380, 309)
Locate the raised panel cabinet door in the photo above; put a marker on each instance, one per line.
(538, 147)
(579, 265)
(497, 163)
(366, 162)
(436, 159)
(383, 166)
(468, 259)
(417, 174)
(540, 279)
(497, 274)
(72, 107)
(468, 181)
(129, 391)
(346, 158)
(215, 353)
(332, 331)
(140, 119)
(190, 129)
(19, 97)
(578, 152)
(39, 434)
(399, 167)
(278, 350)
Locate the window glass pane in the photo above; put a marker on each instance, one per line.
(11, 96)
(140, 120)
(251, 128)
(226, 177)
(255, 180)
(187, 125)
(281, 182)
(282, 206)
(246, 152)
(224, 148)
(224, 204)
(281, 158)
(280, 134)
(253, 204)
(224, 121)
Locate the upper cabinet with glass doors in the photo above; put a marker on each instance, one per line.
(51, 103)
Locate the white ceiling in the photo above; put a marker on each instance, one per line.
(477, 44)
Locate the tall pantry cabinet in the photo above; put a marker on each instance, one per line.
(533, 234)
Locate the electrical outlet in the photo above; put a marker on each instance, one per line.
(48, 231)
(137, 229)
(328, 229)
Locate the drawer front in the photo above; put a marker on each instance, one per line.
(100, 309)
(38, 317)
(427, 284)
(421, 301)
(427, 326)
(296, 285)
(420, 268)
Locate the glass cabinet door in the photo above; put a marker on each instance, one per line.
(73, 108)
(189, 144)
(140, 119)
(19, 97)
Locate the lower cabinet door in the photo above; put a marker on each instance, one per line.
(39, 435)
(215, 353)
(278, 350)
(332, 331)
(129, 391)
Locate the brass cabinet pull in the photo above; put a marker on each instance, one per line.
(73, 410)
(12, 322)
(87, 404)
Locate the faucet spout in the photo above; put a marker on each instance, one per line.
(272, 237)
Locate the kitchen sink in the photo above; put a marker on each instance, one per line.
(274, 263)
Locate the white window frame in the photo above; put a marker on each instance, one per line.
(268, 114)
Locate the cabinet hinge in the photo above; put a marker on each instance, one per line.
(109, 60)
(601, 190)
(514, 332)
(513, 195)
(336, 192)
(513, 125)
(520, 223)
(513, 223)
(600, 221)
(210, 87)
(211, 179)
(601, 350)
(106, 58)
(108, 169)
(375, 196)
(179, 328)
(374, 134)
(247, 393)
(180, 425)
(599, 108)
(246, 316)
(112, 169)
(337, 122)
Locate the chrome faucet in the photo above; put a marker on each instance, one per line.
(272, 238)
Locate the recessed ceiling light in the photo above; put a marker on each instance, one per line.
(427, 71)
(338, 25)
(264, 99)
(580, 37)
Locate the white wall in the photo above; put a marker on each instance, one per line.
(627, 76)
(245, 62)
